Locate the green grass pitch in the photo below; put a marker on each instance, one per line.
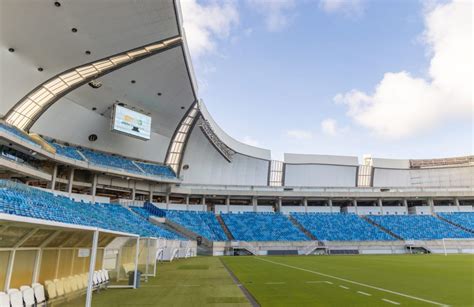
(359, 280)
(408, 280)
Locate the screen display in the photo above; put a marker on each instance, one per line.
(132, 123)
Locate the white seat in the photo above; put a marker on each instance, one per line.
(24, 287)
(95, 279)
(59, 287)
(4, 300)
(107, 275)
(67, 285)
(51, 289)
(72, 283)
(105, 279)
(28, 296)
(16, 298)
(39, 293)
(84, 280)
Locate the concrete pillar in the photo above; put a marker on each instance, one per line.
(186, 200)
(279, 204)
(254, 204)
(52, 184)
(133, 192)
(70, 181)
(330, 205)
(94, 187)
(456, 203)
(354, 203)
(431, 204)
(203, 203)
(227, 203)
(380, 204)
(305, 204)
(150, 195)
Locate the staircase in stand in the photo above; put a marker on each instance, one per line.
(381, 228)
(227, 232)
(454, 224)
(300, 227)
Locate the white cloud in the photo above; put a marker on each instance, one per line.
(347, 7)
(205, 23)
(299, 134)
(403, 105)
(277, 13)
(329, 126)
(251, 141)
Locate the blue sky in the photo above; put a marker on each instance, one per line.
(311, 76)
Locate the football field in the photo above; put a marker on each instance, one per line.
(408, 280)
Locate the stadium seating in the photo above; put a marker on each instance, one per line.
(67, 151)
(463, 219)
(157, 170)
(251, 226)
(340, 227)
(419, 227)
(18, 133)
(108, 160)
(202, 223)
(19, 199)
(113, 161)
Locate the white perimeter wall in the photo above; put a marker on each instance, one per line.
(240, 209)
(375, 210)
(70, 122)
(453, 209)
(428, 177)
(320, 175)
(207, 166)
(309, 209)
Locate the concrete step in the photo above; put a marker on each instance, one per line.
(300, 227)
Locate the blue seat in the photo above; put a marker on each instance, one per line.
(340, 227)
(18, 133)
(22, 200)
(67, 151)
(262, 227)
(463, 219)
(419, 227)
(156, 169)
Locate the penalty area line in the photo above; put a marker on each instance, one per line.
(354, 282)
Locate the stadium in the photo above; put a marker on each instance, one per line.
(119, 188)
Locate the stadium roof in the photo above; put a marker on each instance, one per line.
(62, 35)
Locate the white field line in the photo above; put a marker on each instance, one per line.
(275, 283)
(318, 281)
(328, 282)
(355, 282)
(391, 302)
(364, 293)
(344, 287)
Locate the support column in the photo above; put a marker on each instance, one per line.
(167, 201)
(93, 255)
(305, 204)
(187, 202)
(134, 190)
(203, 203)
(279, 204)
(70, 181)
(330, 205)
(431, 204)
(354, 203)
(380, 204)
(52, 184)
(405, 204)
(150, 192)
(94, 187)
(456, 203)
(227, 203)
(254, 204)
